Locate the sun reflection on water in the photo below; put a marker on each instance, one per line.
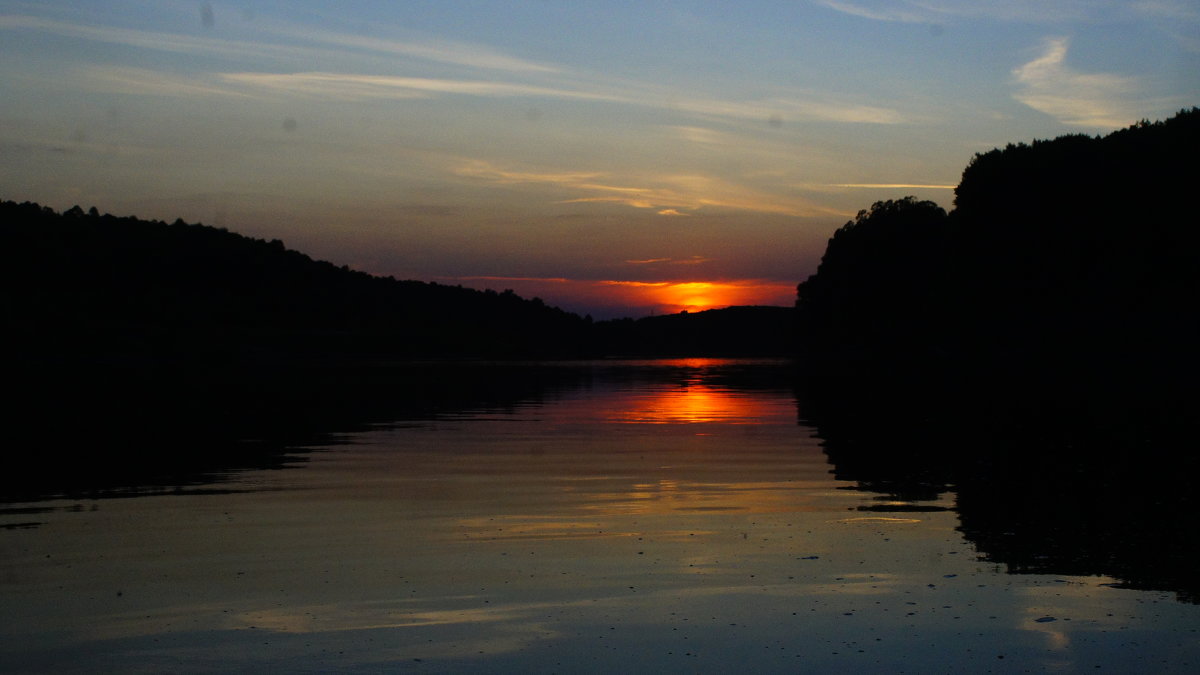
(693, 404)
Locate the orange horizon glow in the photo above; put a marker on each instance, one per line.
(672, 297)
(646, 297)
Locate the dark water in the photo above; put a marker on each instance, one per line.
(698, 515)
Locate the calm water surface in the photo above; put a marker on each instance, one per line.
(645, 518)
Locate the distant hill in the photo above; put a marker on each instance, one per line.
(80, 285)
(1073, 260)
(732, 331)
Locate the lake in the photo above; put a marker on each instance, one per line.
(695, 515)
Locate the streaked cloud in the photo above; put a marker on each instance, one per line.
(357, 86)
(351, 86)
(154, 40)
(482, 169)
(636, 284)
(935, 11)
(144, 81)
(915, 186)
(694, 260)
(789, 109)
(662, 192)
(440, 51)
(888, 12)
(1049, 85)
(309, 46)
(555, 280)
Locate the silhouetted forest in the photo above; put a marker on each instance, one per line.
(1065, 261)
(81, 286)
(85, 287)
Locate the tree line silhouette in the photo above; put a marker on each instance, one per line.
(84, 286)
(81, 284)
(1069, 259)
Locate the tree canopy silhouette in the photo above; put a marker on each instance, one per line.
(85, 285)
(1065, 258)
(873, 288)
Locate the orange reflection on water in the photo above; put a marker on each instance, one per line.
(693, 404)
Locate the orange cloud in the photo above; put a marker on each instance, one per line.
(694, 260)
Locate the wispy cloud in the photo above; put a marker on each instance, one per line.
(694, 260)
(936, 11)
(357, 86)
(1049, 85)
(527, 78)
(555, 280)
(441, 51)
(889, 12)
(482, 169)
(144, 81)
(788, 109)
(895, 186)
(158, 41)
(659, 192)
(637, 284)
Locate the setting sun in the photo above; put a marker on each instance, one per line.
(697, 296)
(670, 297)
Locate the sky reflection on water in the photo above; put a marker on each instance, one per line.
(633, 524)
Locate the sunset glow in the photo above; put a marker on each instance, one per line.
(696, 296)
(615, 159)
(640, 298)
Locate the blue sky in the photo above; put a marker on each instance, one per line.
(594, 154)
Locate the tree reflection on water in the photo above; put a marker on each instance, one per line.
(1065, 483)
(1038, 487)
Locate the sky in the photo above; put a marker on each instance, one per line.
(613, 158)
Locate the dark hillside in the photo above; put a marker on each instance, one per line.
(733, 331)
(81, 285)
(1067, 261)
(1084, 249)
(870, 295)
